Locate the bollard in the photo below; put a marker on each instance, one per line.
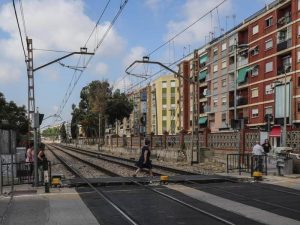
(46, 176)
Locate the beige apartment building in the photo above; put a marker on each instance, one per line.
(164, 105)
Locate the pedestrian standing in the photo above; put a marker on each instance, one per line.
(258, 153)
(29, 158)
(266, 146)
(144, 160)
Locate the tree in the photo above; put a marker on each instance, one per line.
(63, 133)
(118, 107)
(15, 116)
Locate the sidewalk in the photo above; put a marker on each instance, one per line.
(30, 205)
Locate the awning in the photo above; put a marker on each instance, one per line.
(202, 120)
(202, 75)
(275, 132)
(203, 59)
(242, 75)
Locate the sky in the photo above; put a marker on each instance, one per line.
(144, 27)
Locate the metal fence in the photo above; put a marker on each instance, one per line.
(21, 173)
(247, 163)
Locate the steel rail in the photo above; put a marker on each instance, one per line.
(169, 169)
(102, 194)
(108, 172)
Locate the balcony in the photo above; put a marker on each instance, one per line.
(283, 21)
(284, 44)
(206, 109)
(231, 85)
(242, 101)
(231, 67)
(242, 62)
(286, 68)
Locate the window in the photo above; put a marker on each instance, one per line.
(215, 85)
(298, 56)
(224, 64)
(298, 31)
(255, 29)
(173, 83)
(164, 84)
(223, 82)
(215, 51)
(254, 113)
(269, 44)
(298, 5)
(216, 102)
(269, 89)
(223, 116)
(224, 46)
(254, 92)
(269, 110)
(269, 22)
(269, 67)
(298, 81)
(254, 71)
(224, 100)
(298, 106)
(215, 68)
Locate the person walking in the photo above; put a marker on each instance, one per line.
(258, 153)
(144, 160)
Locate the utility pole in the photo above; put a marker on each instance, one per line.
(99, 142)
(33, 116)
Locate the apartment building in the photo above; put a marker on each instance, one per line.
(243, 73)
(164, 105)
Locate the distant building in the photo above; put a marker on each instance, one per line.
(164, 105)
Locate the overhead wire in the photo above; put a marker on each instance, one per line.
(179, 33)
(97, 23)
(23, 18)
(20, 33)
(68, 94)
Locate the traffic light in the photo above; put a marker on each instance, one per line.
(268, 120)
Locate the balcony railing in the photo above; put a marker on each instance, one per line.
(242, 101)
(230, 85)
(283, 21)
(206, 109)
(286, 68)
(231, 67)
(242, 62)
(284, 44)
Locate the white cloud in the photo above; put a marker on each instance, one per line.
(61, 25)
(135, 53)
(9, 73)
(101, 69)
(191, 11)
(123, 84)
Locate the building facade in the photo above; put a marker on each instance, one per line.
(164, 105)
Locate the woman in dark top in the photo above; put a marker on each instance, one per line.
(144, 160)
(266, 146)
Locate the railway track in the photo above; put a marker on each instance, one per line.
(157, 169)
(127, 218)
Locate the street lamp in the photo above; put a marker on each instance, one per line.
(177, 74)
